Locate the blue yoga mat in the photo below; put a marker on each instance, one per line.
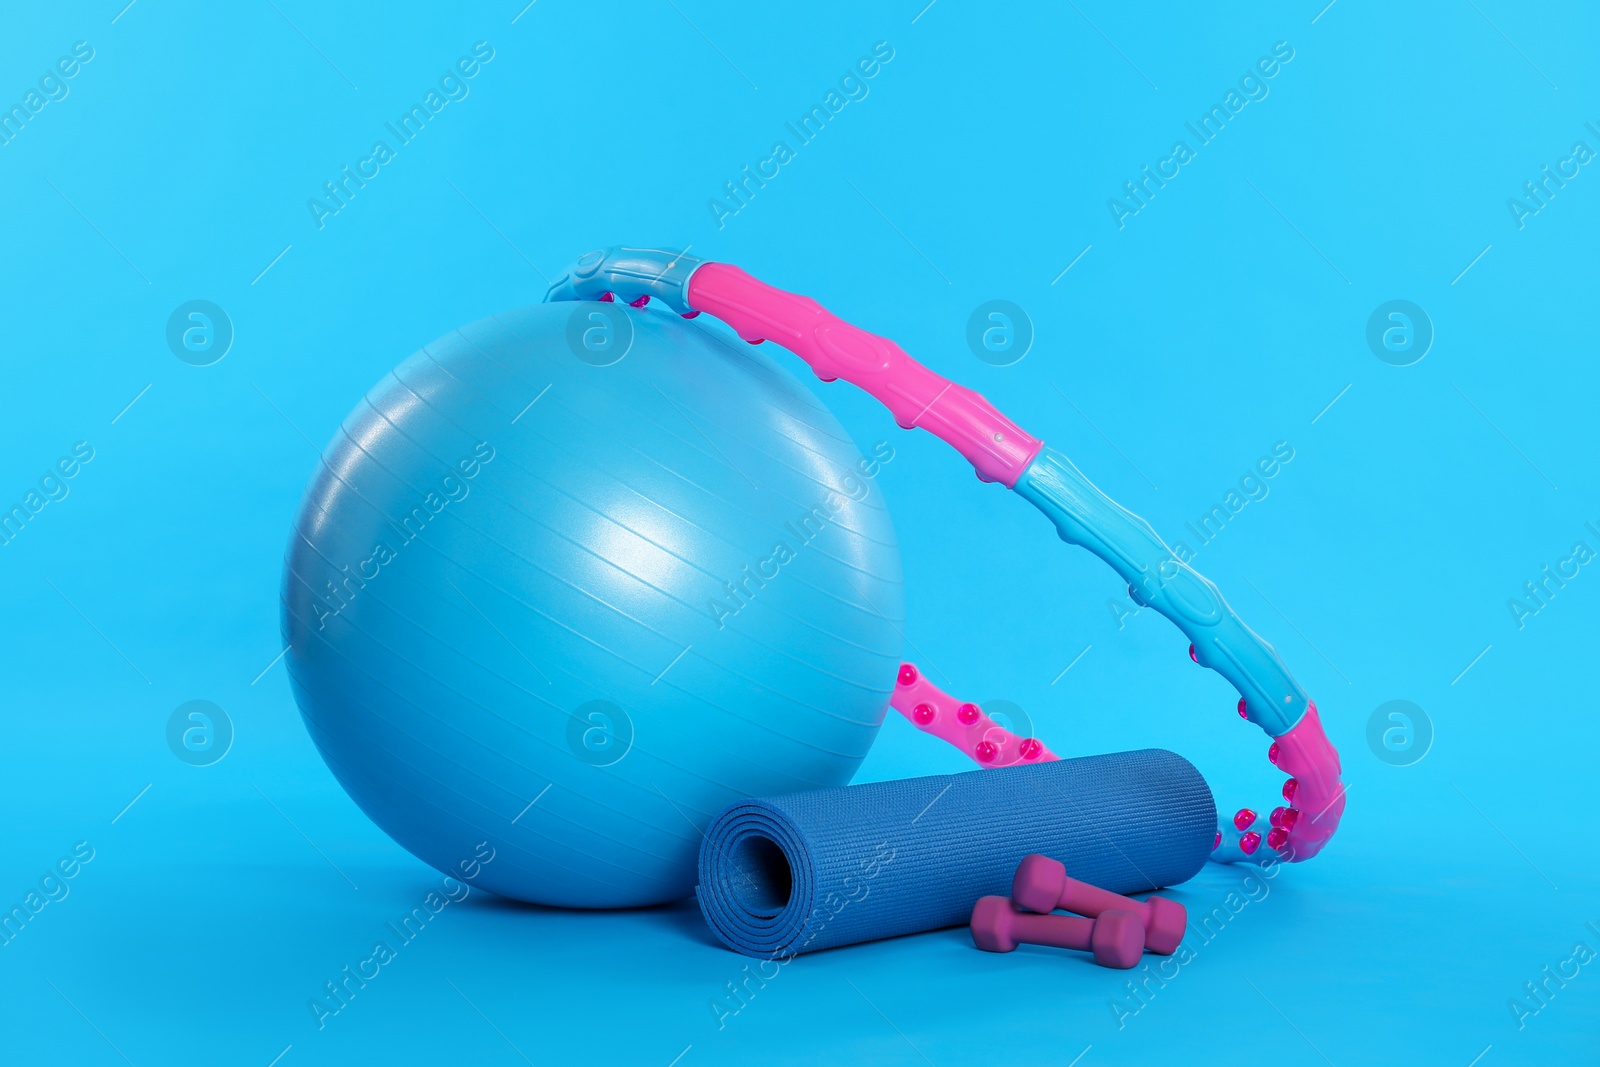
(806, 871)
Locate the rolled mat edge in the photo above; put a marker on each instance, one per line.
(830, 867)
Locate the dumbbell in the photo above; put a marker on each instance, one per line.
(1042, 885)
(1115, 937)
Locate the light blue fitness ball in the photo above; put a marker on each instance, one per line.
(571, 594)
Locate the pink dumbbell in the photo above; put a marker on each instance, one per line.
(1041, 884)
(1115, 937)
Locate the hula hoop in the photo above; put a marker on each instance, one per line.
(1000, 451)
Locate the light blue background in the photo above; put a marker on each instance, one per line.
(1223, 318)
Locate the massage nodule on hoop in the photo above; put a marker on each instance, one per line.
(564, 604)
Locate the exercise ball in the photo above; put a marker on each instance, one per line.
(572, 579)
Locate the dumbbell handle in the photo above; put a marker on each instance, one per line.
(1091, 900)
(1042, 885)
(1057, 931)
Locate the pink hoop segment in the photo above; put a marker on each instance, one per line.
(1304, 753)
(966, 726)
(997, 448)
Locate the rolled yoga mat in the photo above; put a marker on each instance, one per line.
(806, 871)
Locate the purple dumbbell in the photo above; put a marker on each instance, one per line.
(1042, 885)
(1115, 937)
